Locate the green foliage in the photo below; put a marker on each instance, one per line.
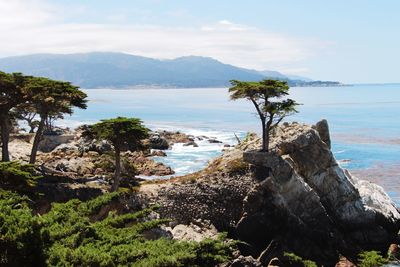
(73, 234)
(51, 98)
(11, 90)
(371, 259)
(124, 133)
(265, 97)
(19, 231)
(294, 260)
(12, 94)
(23, 97)
(18, 177)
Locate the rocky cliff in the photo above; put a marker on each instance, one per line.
(294, 198)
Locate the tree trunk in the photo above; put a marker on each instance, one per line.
(264, 137)
(32, 126)
(36, 141)
(5, 137)
(117, 175)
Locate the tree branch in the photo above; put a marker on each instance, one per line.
(277, 122)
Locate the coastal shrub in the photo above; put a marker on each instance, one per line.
(249, 137)
(371, 259)
(20, 240)
(73, 234)
(237, 167)
(294, 260)
(18, 177)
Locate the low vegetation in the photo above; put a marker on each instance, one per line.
(371, 259)
(18, 177)
(69, 235)
(98, 232)
(294, 260)
(237, 167)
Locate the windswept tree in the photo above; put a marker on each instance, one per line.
(124, 134)
(52, 98)
(266, 97)
(11, 95)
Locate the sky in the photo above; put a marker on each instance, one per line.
(352, 41)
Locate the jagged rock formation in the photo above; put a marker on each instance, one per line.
(313, 206)
(307, 204)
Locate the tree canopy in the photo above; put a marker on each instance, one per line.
(266, 97)
(124, 134)
(51, 98)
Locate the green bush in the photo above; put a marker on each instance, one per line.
(20, 239)
(18, 177)
(69, 235)
(371, 259)
(294, 260)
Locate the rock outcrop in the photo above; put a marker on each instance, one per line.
(311, 205)
(213, 197)
(294, 199)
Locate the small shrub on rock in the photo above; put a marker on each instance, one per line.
(371, 259)
(296, 261)
(237, 167)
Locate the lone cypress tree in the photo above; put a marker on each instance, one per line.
(265, 97)
(124, 134)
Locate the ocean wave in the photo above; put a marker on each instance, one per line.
(188, 159)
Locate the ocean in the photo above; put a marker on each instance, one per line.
(364, 122)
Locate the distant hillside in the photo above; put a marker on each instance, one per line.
(118, 70)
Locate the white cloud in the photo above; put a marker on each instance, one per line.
(17, 14)
(30, 26)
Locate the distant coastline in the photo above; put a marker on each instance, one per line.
(163, 86)
(125, 71)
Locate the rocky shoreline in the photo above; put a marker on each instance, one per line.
(307, 204)
(294, 199)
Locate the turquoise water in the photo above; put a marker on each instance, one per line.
(364, 122)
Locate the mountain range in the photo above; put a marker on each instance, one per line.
(119, 70)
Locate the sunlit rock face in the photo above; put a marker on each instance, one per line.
(308, 202)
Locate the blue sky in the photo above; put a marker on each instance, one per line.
(351, 41)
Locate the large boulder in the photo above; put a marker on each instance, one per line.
(50, 142)
(158, 142)
(313, 206)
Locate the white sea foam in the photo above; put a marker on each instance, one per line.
(187, 159)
